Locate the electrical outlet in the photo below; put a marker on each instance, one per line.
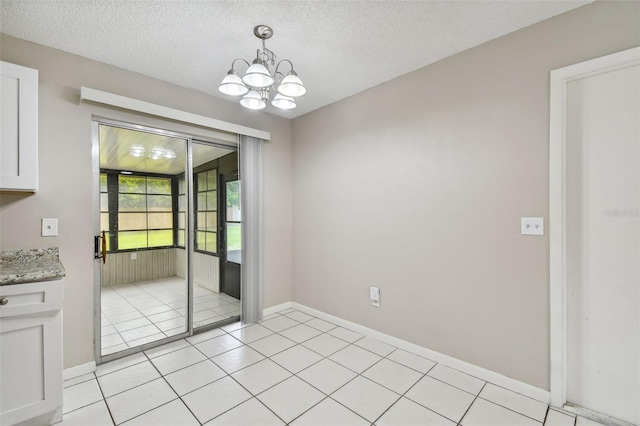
(134, 256)
(374, 295)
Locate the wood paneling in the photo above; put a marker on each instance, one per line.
(120, 268)
(155, 264)
(206, 271)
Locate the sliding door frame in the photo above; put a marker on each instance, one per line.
(95, 153)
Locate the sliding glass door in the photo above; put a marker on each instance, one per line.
(157, 237)
(212, 304)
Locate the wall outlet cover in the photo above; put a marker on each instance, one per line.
(374, 295)
(532, 226)
(49, 227)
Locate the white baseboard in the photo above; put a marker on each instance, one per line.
(276, 308)
(465, 367)
(79, 370)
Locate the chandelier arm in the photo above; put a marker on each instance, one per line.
(284, 60)
(233, 64)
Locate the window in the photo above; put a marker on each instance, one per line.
(234, 224)
(104, 206)
(182, 212)
(207, 211)
(138, 211)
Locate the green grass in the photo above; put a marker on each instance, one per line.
(138, 239)
(234, 237)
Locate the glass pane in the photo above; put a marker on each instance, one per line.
(212, 221)
(182, 203)
(104, 221)
(161, 238)
(129, 221)
(159, 203)
(158, 185)
(234, 242)
(201, 223)
(132, 203)
(202, 181)
(132, 239)
(160, 220)
(233, 201)
(104, 202)
(212, 179)
(202, 201)
(103, 182)
(211, 241)
(181, 241)
(200, 239)
(132, 184)
(182, 220)
(234, 236)
(212, 200)
(182, 186)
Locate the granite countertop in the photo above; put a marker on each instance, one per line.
(26, 266)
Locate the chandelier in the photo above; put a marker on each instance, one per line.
(258, 83)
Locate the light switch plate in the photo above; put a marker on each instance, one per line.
(532, 226)
(49, 227)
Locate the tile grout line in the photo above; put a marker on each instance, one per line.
(403, 395)
(424, 375)
(291, 372)
(152, 322)
(510, 409)
(470, 405)
(326, 396)
(226, 375)
(104, 399)
(174, 391)
(323, 357)
(546, 414)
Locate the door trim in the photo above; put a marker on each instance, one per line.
(97, 318)
(557, 206)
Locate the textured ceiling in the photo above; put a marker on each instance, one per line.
(338, 48)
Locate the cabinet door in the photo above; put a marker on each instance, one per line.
(19, 128)
(31, 365)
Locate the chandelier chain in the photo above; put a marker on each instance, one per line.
(267, 55)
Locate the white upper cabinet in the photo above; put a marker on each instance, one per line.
(18, 128)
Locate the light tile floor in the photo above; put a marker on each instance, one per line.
(144, 312)
(293, 369)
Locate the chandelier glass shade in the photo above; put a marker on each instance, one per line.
(258, 83)
(232, 85)
(253, 100)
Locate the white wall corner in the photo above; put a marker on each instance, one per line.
(276, 308)
(79, 370)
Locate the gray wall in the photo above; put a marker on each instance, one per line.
(66, 176)
(418, 185)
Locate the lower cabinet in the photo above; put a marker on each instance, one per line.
(31, 353)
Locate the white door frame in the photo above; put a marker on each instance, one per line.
(557, 206)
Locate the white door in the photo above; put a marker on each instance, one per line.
(602, 243)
